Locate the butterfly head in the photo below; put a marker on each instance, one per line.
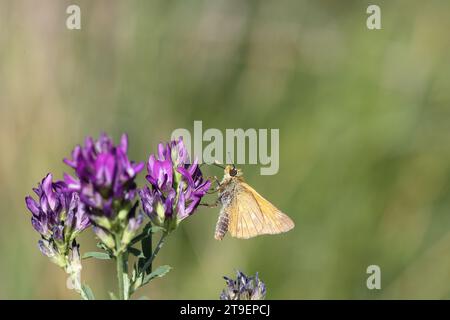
(232, 171)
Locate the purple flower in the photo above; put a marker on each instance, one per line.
(176, 186)
(105, 180)
(58, 215)
(244, 288)
(104, 175)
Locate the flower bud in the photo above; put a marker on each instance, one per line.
(74, 268)
(58, 216)
(134, 223)
(105, 237)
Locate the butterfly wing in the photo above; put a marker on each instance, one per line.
(250, 214)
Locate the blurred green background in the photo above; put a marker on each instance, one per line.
(364, 123)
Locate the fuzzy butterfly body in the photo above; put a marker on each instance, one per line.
(245, 213)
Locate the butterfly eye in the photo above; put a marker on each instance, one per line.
(233, 172)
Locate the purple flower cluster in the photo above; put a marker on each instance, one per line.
(105, 180)
(105, 175)
(58, 216)
(244, 288)
(176, 186)
(103, 192)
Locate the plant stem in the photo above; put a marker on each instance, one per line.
(119, 265)
(83, 295)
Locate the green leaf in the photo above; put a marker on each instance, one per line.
(147, 251)
(102, 246)
(134, 272)
(135, 252)
(161, 271)
(87, 292)
(96, 255)
(147, 231)
(156, 229)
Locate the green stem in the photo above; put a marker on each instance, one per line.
(148, 263)
(120, 263)
(86, 293)
(83, 295)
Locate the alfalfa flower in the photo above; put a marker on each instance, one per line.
(244, 288)
(59, 216)
(176, 186)
(105, 180)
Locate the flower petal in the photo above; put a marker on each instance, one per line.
(47, 187)
(32, 205)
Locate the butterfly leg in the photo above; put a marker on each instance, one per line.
(210, 205)
(216, 181)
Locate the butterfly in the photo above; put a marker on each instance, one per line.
(245, 213)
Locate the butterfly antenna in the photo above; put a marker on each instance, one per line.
(229, 158)
(217, 164)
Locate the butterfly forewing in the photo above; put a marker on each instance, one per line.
(250, 214)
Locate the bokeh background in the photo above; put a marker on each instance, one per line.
(364, 123)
